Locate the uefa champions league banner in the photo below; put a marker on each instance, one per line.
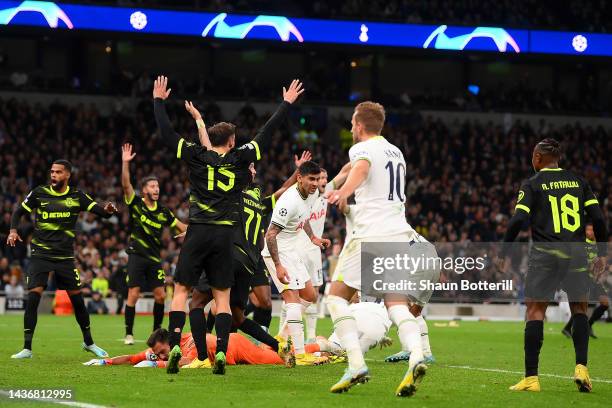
(482, 271)
(300, 30)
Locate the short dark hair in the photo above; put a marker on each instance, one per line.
(67, 165)
(371, 115)
(309, 167)
(549, 147)
(158, 336)
(220, 133)
(145, 180)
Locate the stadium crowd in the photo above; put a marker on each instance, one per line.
(462, 177)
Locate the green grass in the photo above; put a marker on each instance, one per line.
(57, 358)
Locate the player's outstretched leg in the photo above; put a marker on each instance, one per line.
(30, 317)
(410, 336)
(82, 318)
(345, 327)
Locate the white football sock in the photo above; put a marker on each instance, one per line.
(282, 320)
(311, 316)
(424, 335)
(295, 326)
(345, 327)
(408, 332)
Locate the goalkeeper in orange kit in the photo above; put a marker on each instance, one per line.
(240, 351)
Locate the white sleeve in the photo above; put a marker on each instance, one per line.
(282, 212)
(330, 186)
(359, 152)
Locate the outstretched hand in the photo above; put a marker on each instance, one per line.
(160, 88)
(126, 152)
(193, 111)
(110, 208)
(295, 90)
(306, 156)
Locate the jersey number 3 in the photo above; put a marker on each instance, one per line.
(396, 175)
(570, 217)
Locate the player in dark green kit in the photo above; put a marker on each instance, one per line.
(598, 289)
(56, 208)
(217, 177)
(147, 221)
(249, 268)
(555, 202)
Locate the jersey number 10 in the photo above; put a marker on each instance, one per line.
(570, 217)
(396, 175)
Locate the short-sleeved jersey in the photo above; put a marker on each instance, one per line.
(249, 238)
(146, 227)
(217, 181)
(56, 215)
(318, 214)
(555, 200)
(380, 199)
(290, 213)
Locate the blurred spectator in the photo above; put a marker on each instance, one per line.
(14, 290)
(100, 284)
(118, 284)
(97, 305)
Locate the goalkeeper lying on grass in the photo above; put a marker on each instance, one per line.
(240, 351)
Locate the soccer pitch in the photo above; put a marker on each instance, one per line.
(476, 362)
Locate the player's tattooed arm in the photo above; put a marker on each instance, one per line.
(320, 242)
(272, 243)
(202, 133)
(306, 156)
(271, 235)
(127, 155)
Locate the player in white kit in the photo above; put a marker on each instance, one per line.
(291, 215)
(311, 254)
(377, 178)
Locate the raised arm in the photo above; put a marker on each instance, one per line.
(290, 95)
(202, 133)
(88, 204)
(160, 94)
(306, 156)
(126, 158)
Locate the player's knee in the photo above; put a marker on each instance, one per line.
(604, 301)
(266, 304)
(159, 295)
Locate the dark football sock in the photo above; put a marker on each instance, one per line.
(223, 324)
(158, 315)
(82, 317)
(568, 325)
(210, 322)
(597, 313)
(534, 337)
(580, 335)
(30, 317)
(130, 314)
(262, 317)
(176, 322)
(254, 330)
(198, 331)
